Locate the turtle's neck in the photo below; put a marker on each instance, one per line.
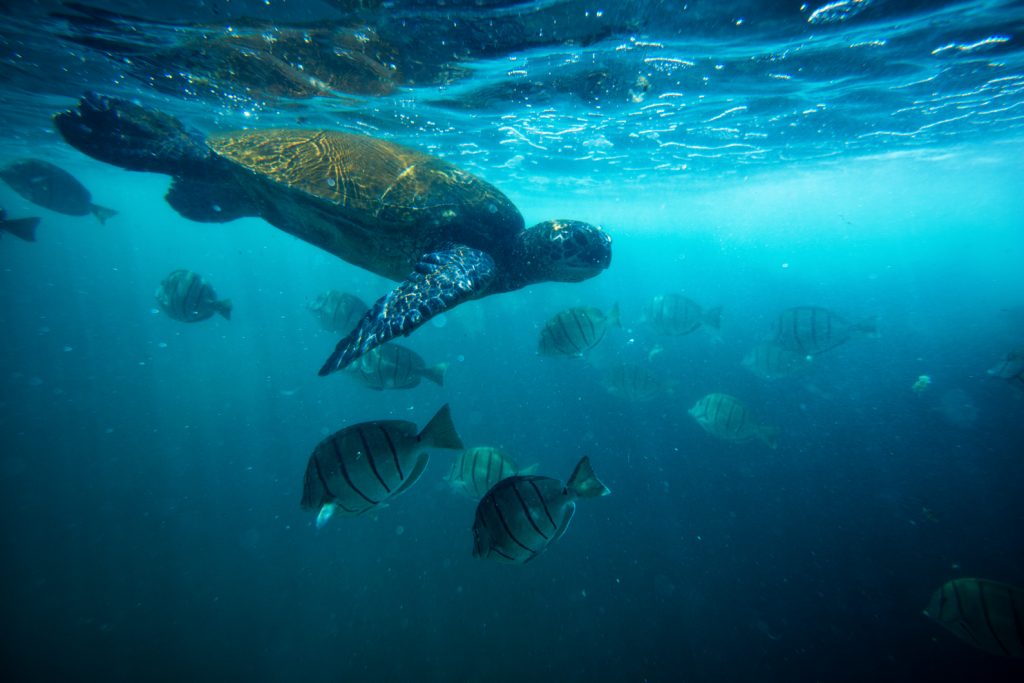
(525, 263)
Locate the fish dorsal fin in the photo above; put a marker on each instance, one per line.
(440, 431)
(421, 465)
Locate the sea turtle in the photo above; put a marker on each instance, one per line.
(53, 188)
(444, 234)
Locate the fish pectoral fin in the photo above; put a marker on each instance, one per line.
(441, 280)
(326, 511)
(421, 465)
(533, 555)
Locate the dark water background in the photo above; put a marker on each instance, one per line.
(150, 471)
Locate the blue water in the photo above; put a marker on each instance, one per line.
(151, 471)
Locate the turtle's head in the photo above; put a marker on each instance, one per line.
(566, 251)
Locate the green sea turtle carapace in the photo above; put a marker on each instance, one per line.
(444, 234)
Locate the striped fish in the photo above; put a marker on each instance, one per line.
(186, 296)
(392, 366)
(987, 614)
(478, 469)
(575, 331)
(523, 515)
(770, 361)
(361, 466)
(633, 382)
(337, 311)
(727, 418)
(810, 330)
(1011, 369)
(676, 315)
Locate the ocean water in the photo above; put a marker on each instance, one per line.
(860, 156)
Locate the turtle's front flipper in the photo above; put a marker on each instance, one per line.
(443, 279)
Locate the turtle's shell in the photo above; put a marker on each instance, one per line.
(352, 193)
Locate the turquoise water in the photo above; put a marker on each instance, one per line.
(151, 470)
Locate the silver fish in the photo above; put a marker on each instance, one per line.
(392, 366)
(478, 469)
(770, 361)
(361, 466)
(575, 331)
(986, 614)
(676, 315)
(809, 330)
(337, 311)
(186, 296)
(725, 417)
(521, 516)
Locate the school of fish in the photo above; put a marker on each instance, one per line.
(519, 514)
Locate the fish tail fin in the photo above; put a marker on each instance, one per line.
(526, 471)
(868, 326)
(435, 373)
(224, 307)
(22, 228)
(770, 436)
(440, 431)
(613, 315)
(584, 483)
(713, 317)
(102, 213)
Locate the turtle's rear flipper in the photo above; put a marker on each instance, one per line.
(134, 137)
(442, 280)
(208, 201)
